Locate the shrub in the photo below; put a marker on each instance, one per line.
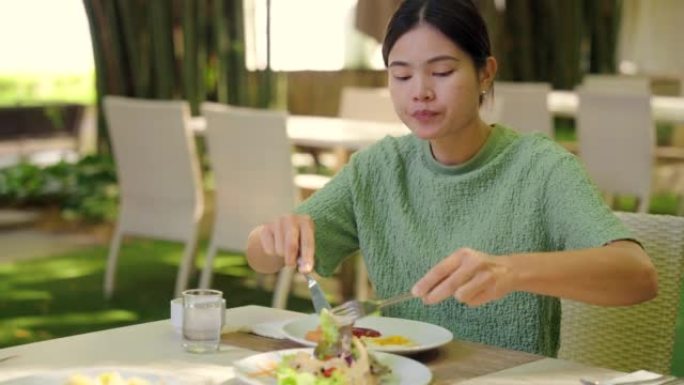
(86, 190)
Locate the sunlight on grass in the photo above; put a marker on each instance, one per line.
(70, 319)
(25, 295)
(664, 204)
(58, 269)
(8, 269)
(229, 260)
(235, 271)
(61, 295)
(234, 265)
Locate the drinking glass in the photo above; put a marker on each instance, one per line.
(203, 312)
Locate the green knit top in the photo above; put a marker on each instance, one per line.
(405, 212)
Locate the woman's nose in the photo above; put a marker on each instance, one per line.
(423, 91)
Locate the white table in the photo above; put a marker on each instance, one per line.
(156, 346)
(665, 108)
(329, 132)
(153, 345)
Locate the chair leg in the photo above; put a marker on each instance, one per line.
(347, 278)
(187, 260)
(610, 200)
(643, 205)
(282, 287)
(207, 271)
(112, 258)
(362, 288)
(680, 205)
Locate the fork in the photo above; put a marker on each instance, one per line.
(351, 311)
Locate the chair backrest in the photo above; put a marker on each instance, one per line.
(250, 155)
(639, 336)
(366, 103)
(617, 83)
(616, 136)
(157, 167)
(522, 106)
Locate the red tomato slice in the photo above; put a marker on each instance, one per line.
(365, 332)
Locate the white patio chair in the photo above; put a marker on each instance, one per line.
(632, 84)
(522, 106)
(359, 103)
(159, 178)
(616, 142)
(632, 337)
(249, 153)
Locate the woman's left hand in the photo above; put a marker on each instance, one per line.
(470, 276)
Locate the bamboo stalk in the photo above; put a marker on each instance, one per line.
(118, 71)
(162, 45)
(190, 53)
(221, 42)
(201, 58)
(237, 72)
(103, 146)
(568, 53)
(132, 43)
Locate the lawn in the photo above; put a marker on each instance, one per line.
(62, 295)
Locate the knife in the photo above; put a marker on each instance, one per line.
(317, 295)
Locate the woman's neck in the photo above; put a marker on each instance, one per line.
(461, 146)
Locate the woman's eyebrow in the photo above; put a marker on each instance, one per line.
(400, 63)
(442, 58)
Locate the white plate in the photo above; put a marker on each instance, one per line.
(154, 377)
(425, 336)
(405, 371)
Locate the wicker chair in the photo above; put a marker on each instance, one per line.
(249, 148)
(159, 177)
(521, 106)
(616, 132)
(639, 336)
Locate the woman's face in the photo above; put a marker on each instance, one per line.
(434, 85)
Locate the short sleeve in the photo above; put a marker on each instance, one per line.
(332, 211)
(576, 215)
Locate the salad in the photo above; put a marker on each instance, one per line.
(367, 335)
(339, 359)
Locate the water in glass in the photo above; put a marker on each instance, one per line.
(202, 320)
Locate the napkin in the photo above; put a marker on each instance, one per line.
(547, 371)
(639, 375)
(270, 329)
(266, 322)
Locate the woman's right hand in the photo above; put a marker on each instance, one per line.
(290, 237)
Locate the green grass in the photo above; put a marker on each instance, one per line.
(62, 295)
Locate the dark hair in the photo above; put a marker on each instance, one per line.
(459, 20)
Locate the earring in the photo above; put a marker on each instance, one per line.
(483, 92)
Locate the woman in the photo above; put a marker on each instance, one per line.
(488, 227)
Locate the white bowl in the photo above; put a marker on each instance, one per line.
(177, 314)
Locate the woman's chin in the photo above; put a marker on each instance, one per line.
(425, 132)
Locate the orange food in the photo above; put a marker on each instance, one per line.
(370, 335)
(389, 340)
(314, 335)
